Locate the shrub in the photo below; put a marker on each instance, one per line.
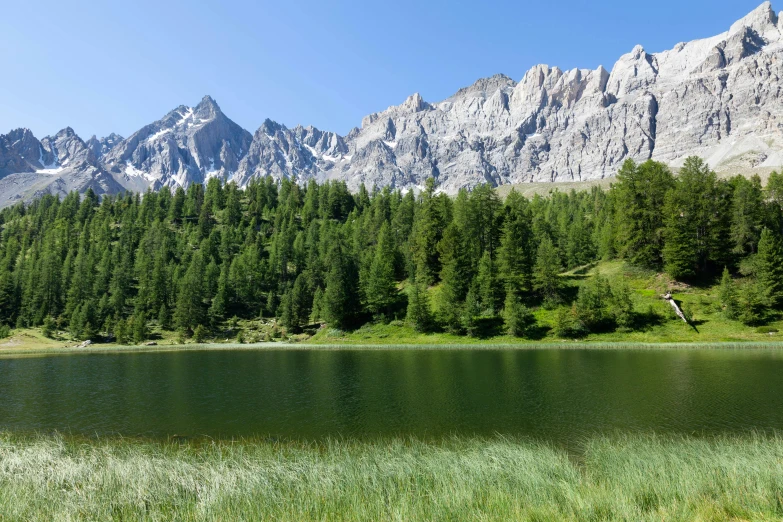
(517, 318)
(48, 327)
(593, 303)
(5, 331)
(200, 334)
(568, 324)
(766, 330)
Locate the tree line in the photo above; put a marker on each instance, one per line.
(189, 260)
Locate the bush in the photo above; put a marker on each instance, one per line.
(517, 318)
(48, 327)
(568, 324)
(5, 331)
(241, 337)
(200, 334)
(593, 303)
(751, 304)
(766, 330)
(622, 306)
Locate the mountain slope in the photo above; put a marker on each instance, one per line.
(188, 145)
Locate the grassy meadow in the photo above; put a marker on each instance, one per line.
(626, 478)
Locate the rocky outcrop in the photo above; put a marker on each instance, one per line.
(101, 147)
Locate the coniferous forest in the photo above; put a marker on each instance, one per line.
(190, 260)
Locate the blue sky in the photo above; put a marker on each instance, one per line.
(115, 66)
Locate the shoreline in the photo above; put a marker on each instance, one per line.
(107, 349)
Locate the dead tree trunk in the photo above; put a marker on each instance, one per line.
(672, 302)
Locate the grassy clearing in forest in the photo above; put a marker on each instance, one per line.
(700, 303)
(623, 478)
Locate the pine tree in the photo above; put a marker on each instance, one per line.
(515, 257)
(489, 287)
(139, 328)
(546, 274)
(593, 303)
(471, 311)
(696, 217)
(340, 297)
(622, 308)
(769, 268)
(217, 311)
(639, 221)
(752, 305)
(727, 295)
(747, 214)
(381, 287)
(121, 332)
(419, 315)
(190, 298)
(454, 279)
(316, 314)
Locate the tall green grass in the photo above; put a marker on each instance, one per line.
(626, 478)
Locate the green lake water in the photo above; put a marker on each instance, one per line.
(557, 395)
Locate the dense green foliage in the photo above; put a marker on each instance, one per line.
(640, 478)
(189, 260)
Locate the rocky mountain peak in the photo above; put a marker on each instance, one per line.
(207, 108)
(762, 19)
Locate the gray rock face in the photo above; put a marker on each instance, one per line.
(718, 98)
(188, 145)
(300, 153)
(55, 165)
(101, 147)
(20, 151)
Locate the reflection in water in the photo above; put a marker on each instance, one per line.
(558, 395)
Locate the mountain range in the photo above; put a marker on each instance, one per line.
(718, 98)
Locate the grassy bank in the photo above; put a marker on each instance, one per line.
(628, 478)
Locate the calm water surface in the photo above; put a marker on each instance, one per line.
(558, 395)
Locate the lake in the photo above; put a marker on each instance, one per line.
(557, 395)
